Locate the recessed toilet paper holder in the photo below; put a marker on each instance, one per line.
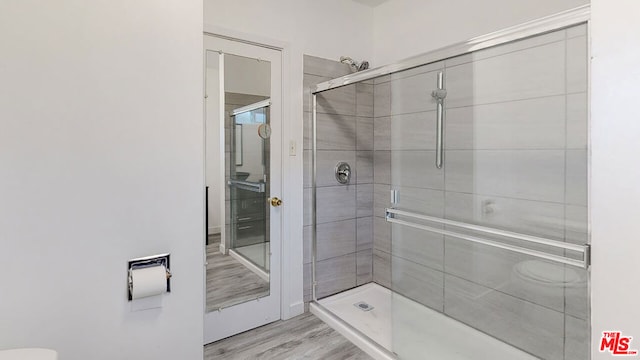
(146, 262)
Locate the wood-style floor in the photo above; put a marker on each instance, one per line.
(228, 281)
(303, 337)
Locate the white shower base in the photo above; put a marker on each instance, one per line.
(409, 329)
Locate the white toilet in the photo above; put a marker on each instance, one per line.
(28, 354)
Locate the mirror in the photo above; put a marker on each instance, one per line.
(237, 178)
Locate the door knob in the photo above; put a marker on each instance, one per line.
(275, 202)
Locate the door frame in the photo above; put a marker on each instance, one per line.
(285, 291)
(292, 284)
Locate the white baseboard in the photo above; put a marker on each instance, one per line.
(295, 309)
(212, 230)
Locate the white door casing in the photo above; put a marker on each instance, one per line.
(244, 316)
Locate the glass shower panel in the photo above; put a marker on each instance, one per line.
(514, 168)
(249, 186)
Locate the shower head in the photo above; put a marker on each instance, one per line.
(356, 66)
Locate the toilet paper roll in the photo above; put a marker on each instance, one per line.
(148, 281)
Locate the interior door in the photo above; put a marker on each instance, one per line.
(243, 106)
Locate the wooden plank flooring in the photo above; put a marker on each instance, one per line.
(303, 337)
(228, 281)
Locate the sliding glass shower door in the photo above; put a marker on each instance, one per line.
(482, 159)
(248, 185)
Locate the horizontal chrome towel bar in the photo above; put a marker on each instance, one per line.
(251, 107)
(584, 250)
(248, 185)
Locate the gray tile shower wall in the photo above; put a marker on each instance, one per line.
(515, 159)
(344, 216)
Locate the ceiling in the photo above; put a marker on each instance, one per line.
(372, 3)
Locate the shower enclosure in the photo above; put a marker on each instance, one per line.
(248, 185)
(460, 230)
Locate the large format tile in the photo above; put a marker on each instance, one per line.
(335, 275)
(307, 81)
(336, 239)
(336, 132)
(382, 167)
(497, 269)
(416, 168)
(419, 246)
(576, 177)
(576, 339)
(382, 268)
(364, 167)
(416, 131)
(577, 293)
(340, 100)
(382, 79)
(577, 64)
(530, 73)
(307, 165)
(413, 94)
(578, 30)
(324, 67)
(364, 200)
(307, 211)
(536, 218)
(306, 282)
(423, 201)
(364, 266)
(381, 199)
(523, 174)
(533, 328)
(307, 120)
(436, 66)
(577, 121)
(576, 224)
(527, 124)
(335, 203)
(382, 133)
(364, 233)
(381, 235)
(417, 282)
(326, 164)
(364, 99)
(364, 133)
(307, 244)
(382, 99)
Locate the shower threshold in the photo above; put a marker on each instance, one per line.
(400, 328)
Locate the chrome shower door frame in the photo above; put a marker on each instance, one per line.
(573, 17)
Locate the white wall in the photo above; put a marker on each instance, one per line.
(615, 171)
(328, 29)
(214, 148)
(247, 76)
(101, 160)
(403, 28)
